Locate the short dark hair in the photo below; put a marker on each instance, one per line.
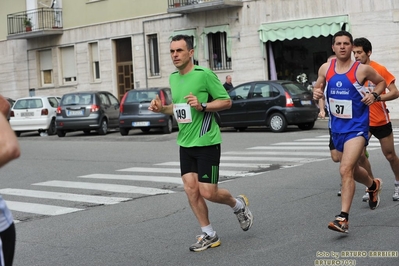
(342, 33)
(364, 43)
(186, 38)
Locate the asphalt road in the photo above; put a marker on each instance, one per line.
(292, 203)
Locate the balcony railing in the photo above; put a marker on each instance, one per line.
(191, 6)
(34, 23)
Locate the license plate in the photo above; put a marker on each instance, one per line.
(27, 114)
(141, 124)
(306, 102)
(75, 113)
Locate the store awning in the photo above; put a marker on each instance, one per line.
(304, 28)
(189, 32)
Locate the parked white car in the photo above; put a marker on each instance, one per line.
(35, 113)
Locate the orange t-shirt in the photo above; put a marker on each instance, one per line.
(379, 115)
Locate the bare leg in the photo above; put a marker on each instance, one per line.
(365, 163)
(388, 149)
(350, 171)
(197, 193)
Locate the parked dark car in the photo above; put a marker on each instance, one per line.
(275, 104)
(134, 111)
(86, 111)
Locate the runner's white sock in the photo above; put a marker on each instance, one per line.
(208, 230)
(238, 206)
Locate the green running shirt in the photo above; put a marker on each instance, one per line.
(206, 86)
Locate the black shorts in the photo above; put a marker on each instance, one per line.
(201, 160)
(381, 132)
(331, 144)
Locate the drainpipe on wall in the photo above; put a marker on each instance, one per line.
(144, 42)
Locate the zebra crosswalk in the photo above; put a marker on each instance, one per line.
(49, 198)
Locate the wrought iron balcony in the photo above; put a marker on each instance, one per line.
(34, 23)
(191, 6)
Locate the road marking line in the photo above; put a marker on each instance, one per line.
(291, 148)
(222, 164)
(172, 170)
(62, 196)
(105, 187)
(268, 159)
(39, 208)
(312, 143)
(302, 153)
(162, 179)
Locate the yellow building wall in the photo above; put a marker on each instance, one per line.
(9, 7)
(84, 12)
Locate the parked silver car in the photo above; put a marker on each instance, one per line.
(86, 111)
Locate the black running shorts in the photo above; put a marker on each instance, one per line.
(381, 132)
(201, 160)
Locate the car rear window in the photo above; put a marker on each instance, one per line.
(295, 89)
(28, 104)
(140, 96)
(77, 99)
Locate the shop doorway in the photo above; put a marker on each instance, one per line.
(295, 57)
(124, 66)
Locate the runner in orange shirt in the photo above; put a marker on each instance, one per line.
(380, 123)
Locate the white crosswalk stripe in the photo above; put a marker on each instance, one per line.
(170, 171)
(43, 209)
(224, 164)
(62, 196)
(105, 187)
(249, 162)
(165, 179)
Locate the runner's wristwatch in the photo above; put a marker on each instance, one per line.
(376, 96)
(203, 105)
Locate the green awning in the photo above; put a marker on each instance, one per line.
(304, 28)
(215, 29)
(189, 32)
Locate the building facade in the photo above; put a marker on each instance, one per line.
(118, 45)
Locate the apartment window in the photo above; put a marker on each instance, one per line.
(153, 54)
(95, 62)
(217, 47)
(68, 64)
(46, 68)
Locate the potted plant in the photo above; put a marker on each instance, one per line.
(28, 24)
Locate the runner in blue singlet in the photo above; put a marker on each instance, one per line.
(348, 103)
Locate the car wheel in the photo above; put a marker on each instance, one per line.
(277, 122)
(241, 129)
(169, 127)
(61, 133)
(124, 131)
(306, 126)
(51, 129)
(18, 133)
(103, 127)
(145, 129)
(86, 132)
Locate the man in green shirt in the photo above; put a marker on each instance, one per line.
(197, 94)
